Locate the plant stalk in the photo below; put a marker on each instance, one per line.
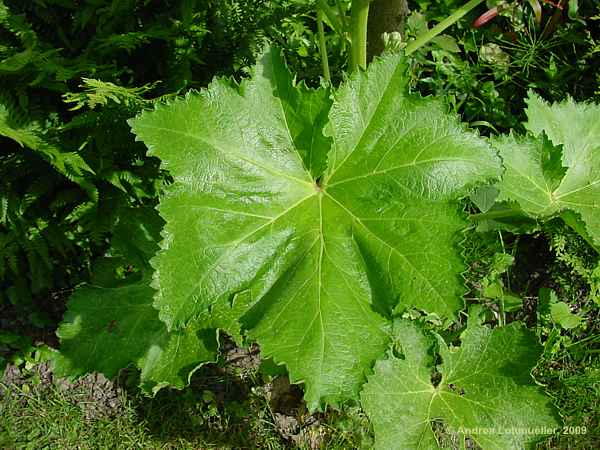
(495, 214)
(359, 19)
(424, 38)
(502, 311)
(337, 21)
(323, 46)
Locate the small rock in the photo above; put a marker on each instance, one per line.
(12, 375)
(246, 360)
(287, 425)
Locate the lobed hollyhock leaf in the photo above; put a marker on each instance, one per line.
(324, 252)
(485, 393)
(559, 174)
(305, 219)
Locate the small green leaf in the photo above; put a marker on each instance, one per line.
(562, 315)
(493, 54)
(493, 290)
(512, 302)
(446, 42)
(573, 9)
(417, 23)
(502, 262)
(484, 197)
(546, 297)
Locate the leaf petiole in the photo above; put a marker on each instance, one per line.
(496, 214)
(323, 46)
(424, 38)
(358, 26)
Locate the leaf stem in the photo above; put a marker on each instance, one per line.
(323, 46)
(597, 337)
(495, 214)
(424, 38)
(502, 311)
(359, 19)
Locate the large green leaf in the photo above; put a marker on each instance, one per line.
(323, 254)
(111, 323)
(109, 328)
(485, 392)
(546, 179)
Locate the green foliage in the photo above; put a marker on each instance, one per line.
(112, 320)
(563, 316)
(101, 93)
(307, 248)
(493, 286)
(545, 177)
(485, 74)
(580, 260)
(257, 234)
(77, 196)
(272, 264)
(484, 391)
(72, 73)
(569, 365)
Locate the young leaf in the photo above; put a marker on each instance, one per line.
(485, 392)
(322, 258)
(562, 315)
(546, 181)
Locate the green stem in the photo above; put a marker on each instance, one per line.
(496, 214)
(502, 312)
(323, 46)
(342, 14)
(584, 340)
(359, 19)
(424, 38)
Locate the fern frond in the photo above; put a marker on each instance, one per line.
(15, 125)
(17, 25)
(3, 210)
(98, 92)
